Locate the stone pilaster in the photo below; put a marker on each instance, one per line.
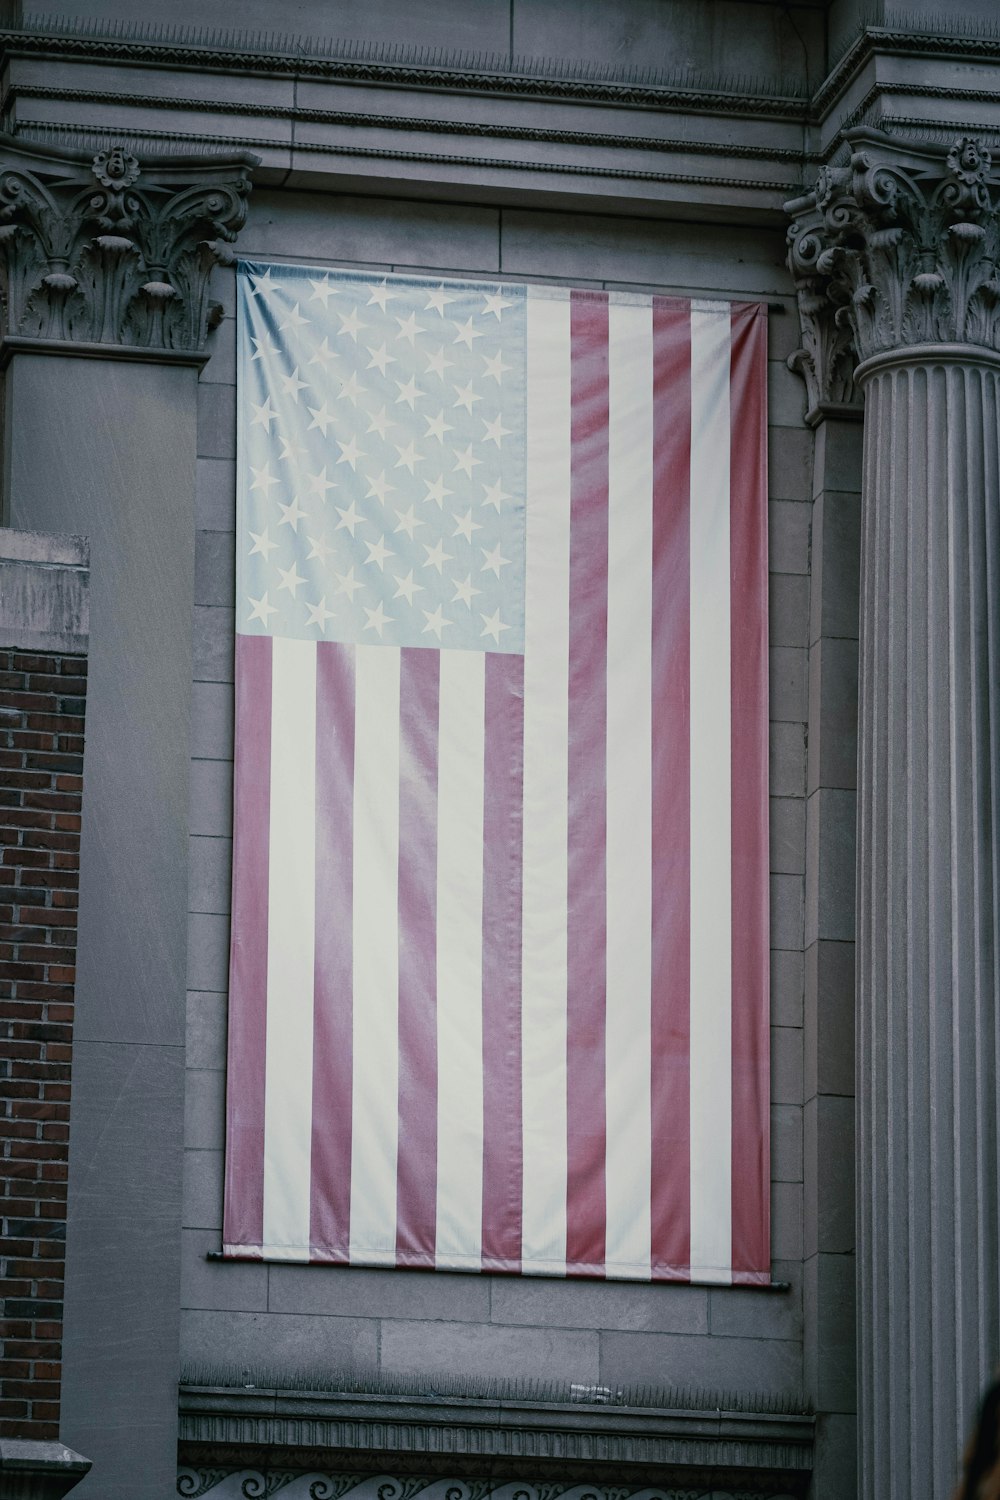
(105, 263)
(900, 250)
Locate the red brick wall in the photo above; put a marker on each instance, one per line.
(41, 764)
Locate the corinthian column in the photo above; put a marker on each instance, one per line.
(900, 250)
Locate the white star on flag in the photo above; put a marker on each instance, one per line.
(378, 552)
(291, 514)
(264, 414)
(263, 479)
(493, 625)
(262, 543)
(291, 384)
(262, 609)
(435, 621)
(319, 614)
(464, 592)
(438, 300)
(348, 584)
(349, 517)
(407, 588)
(322, 291)
(291, 580)
(377, 618)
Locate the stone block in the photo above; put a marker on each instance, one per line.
(835, 1456)
(829, 1018)
(786, 1220)
(440, 1355)
(788, 609)
(211, 874)
(831, 825)
(787, 987)
(828, 1300)
(253, 1347)
(786, 1142)
(211, 798)
(215, 495)
(787, 835)
(219, 1285)
(786, 395)
(643, 253)
(786, 1065)
(783, 333)
(203, 1188)
(221, 367)
(838, 456)
(212, 721)
(833, 714)
(354, 1291)
(788, 683)
(216, 421)
(208, 952)
(751, 1366)
(204, 1109)
(787, 760)
(206, 1030)
(625, 1305)
(788, 532)
(836, 559)
(786, 911)
(377, 232)
(828, 1137)
(214, 568)
(752, 1313)
(789, 463)
(214, 638)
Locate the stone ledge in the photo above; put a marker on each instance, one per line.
(32, 1470)
(44, 599)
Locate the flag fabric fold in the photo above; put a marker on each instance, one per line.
(499, 958)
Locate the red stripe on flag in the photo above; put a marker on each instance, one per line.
(416, 1162)
(503, 799)
(750, 1038)
(244, 1196)
(670, 1184)
(586, 935)
(330, 1213)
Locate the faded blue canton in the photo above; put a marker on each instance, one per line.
(381, 469)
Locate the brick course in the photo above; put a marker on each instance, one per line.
(42, 700)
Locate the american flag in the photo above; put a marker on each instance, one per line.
(499, 965)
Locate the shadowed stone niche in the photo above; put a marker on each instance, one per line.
(896, 260)
(106, 254)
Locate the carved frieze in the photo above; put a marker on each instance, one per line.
(296, 1484)
(109, 250)
(895, 250)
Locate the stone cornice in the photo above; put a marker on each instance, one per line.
(104, 250)
(900, 248)
(468, 1435)
(204, 49)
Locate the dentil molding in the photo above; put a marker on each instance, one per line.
(106, 254)
(898, 249)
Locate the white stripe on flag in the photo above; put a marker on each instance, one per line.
(711, 810)
(546, 762)
(290, 928)
(375, 1113)
(461, 750)
(629, 793)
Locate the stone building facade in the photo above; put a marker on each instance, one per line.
(832, 159)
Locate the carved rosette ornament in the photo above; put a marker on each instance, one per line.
(102, 249)
(896, 250)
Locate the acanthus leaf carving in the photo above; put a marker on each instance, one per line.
(896, 250)
(109, 250)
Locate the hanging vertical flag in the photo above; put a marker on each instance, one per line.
(499, 967)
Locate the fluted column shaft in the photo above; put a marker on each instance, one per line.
(928, 1247)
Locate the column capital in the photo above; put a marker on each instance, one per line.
(108, 254)
(900, 248)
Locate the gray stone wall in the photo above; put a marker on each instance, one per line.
(294, 1320)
